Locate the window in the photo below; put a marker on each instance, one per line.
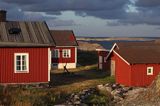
(21, 62)
(55, 53)
(66, 53)
(14, 31)
(149, 70)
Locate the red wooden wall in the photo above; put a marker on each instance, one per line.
(104, 55)
(64, 60)
(38, 65)
(122, 70)
(134, 74)
(139, 75)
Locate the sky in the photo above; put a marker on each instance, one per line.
(93, 18)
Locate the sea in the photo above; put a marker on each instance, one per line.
(108, 44)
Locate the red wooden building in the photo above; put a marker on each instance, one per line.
(25, 51)
(134, 63)
(65, 52)
(102, 55)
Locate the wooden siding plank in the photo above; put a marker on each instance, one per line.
(43, 33)
(38, 34)
(38, 67)
(18, 37)
(4, 33)
(10, 37)
(47, 32)
(25, 33)
(35, 40)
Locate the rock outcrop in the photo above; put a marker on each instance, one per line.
(86, 46)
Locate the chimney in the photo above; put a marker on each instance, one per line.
(3, 15)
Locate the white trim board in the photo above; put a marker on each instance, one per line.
(121, 57)
(111, 50)
(66, 46)
(76, 55)
(49, 63)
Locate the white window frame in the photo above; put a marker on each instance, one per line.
(149, 68)
(53, 53)
(27, 63)
(68, 51)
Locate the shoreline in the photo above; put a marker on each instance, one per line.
(114, 39)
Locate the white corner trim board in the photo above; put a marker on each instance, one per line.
(75, 54)
(49, 63)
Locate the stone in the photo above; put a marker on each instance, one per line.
(117, 98)
(109, 89)
(77, 103)
(107, 85)
(100, 86)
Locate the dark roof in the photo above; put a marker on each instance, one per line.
(25, 34)
(139, 52)
(64, 38)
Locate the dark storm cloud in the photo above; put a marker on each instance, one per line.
(148, 3)
(97, 8)
(147, 11)
(61, 5)
(23, 2)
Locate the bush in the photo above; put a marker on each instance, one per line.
(95, 99)
(43, 100)
(87, 57)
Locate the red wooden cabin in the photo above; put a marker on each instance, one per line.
(65, 52)
(102, 55)
(134, 63)
(25, 51)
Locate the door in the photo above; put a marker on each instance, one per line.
(112, 67)
(100, 62)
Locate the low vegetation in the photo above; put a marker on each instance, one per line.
(87, 57)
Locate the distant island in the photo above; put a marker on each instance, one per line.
(117, 38)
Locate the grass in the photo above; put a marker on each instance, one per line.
(81, 78)
(62, 85)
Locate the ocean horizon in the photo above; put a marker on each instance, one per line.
(108, 44)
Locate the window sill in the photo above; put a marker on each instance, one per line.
(21, 71)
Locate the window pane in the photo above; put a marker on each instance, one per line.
(24, 68)
(18, 67)
(149, 70)
(18, 62)
(18, 58)
(23, 58)
(24, 63)
(56, 53)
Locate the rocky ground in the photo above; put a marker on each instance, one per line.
(86, 46)
(122, 96)
(147, 97)
(117, 95)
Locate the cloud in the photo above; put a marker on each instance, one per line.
(58, 22)
(148, 3)
(147, 11)
(97, 8)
